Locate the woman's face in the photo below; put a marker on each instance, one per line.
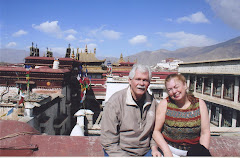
(176, 89)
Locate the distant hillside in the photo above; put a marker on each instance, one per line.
(13, 55)
(16, 56)
(224, 50)
(228, 49)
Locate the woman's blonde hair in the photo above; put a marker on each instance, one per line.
(178, 76)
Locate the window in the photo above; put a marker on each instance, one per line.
(229, 87)
(239, 89)
(199, 84)
(157, 93)
(238, 119)
(191, 85)
(42, 129)
(207, 85)
(215, 115)
(227, 114)
(217, 86)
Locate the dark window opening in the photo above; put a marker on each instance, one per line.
(207, 86)
(199, 84)
(217, 86)
(229, 88)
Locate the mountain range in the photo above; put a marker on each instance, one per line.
(224, 50)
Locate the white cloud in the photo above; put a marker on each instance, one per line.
(19, 33)
(139, 39)
(86, 40)
(71, 31)
(11, 44)
(95, 32)
(110, 34)
(91, 47)
(49, 27)
(104, 33)
(70, 38)
(228, 11)
(198, 17)
(182, 39)
(169, 19)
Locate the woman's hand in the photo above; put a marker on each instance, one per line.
(155, 152)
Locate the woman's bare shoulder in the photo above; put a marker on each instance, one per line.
(163, 103)
(202, 102)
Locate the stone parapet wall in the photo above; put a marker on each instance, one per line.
(228, 67)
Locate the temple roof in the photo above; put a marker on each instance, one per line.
(89, 57)
(40, 69)
(50, 58)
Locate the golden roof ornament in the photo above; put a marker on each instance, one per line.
(77, 55)
(86, 50)
(73, 54)
(121, 59)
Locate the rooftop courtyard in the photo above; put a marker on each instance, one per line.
(20, 139)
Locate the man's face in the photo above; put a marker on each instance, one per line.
(139, 84)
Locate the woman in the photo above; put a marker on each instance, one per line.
(181, 121)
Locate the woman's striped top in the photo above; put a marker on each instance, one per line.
(182, 127)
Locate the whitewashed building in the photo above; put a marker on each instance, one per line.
(168, 64)
(217, 82)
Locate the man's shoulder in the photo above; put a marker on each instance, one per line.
(120, 93)
(117, 98)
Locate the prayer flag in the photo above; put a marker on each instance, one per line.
(10, 111)
(83, 96)
(86, 72)
(22, 98)
(78, 77)
(4, 115)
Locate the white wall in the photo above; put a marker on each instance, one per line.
(114, 87)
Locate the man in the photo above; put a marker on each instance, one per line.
(128, 118)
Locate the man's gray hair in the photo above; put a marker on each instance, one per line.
(141, 68)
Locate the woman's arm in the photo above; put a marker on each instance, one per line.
(205, 124)
(155, 152)
(157, 135)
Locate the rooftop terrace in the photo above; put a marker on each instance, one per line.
(26, 141)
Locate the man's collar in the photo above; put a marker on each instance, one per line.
(130, 101)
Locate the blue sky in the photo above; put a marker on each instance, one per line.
(117, 26)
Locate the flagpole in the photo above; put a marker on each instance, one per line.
(27, 80)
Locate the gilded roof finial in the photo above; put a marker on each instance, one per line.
(121, 59)
(86, 50)
(73, 54)
(77, 55)
(135, 60)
